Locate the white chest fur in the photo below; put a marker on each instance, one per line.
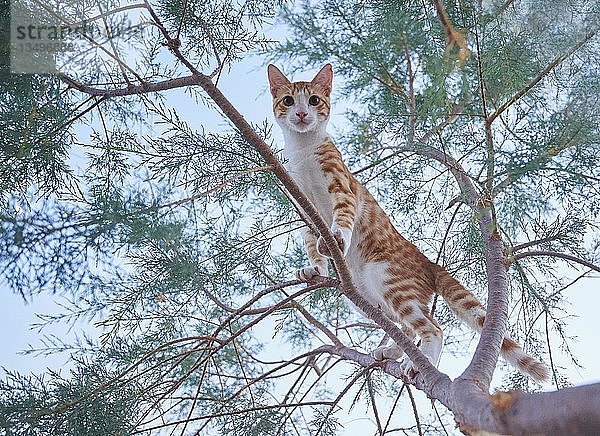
(301, 163)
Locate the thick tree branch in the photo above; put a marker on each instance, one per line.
(486, 354)
(390, 367)
(567, 411)
(573, 410)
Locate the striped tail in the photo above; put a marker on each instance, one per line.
(470, 311)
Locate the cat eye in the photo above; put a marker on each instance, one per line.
(288, 101)
(314, 100)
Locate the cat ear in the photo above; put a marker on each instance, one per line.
(276, 79)
(324, 79)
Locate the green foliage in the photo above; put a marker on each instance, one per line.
(221, 31)
(324, 423)
(52, 404)
(34, 145)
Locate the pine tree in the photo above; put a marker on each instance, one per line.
(475, 125)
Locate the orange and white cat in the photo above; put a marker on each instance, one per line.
(389, 271)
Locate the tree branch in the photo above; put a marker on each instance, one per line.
(483, 363)
(565, 256)
(570, 411)
(231, 413)
(144, 88)
(452, 117)
(318, 324)
(489, 137)
(535, 242)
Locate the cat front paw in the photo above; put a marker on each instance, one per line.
(387, 352)
(342, 235)
(394, 352)
(408, 368)
(310, 272)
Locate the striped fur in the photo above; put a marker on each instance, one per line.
(389, 271)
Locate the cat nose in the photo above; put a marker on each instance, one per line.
(301, 115)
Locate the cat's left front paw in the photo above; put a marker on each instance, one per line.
(310, 272)
(408, 368)
(342, 235)
(387, 352)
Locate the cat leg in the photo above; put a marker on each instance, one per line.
(431, 336)
(392, 351)
(344, 214)
(318, 263)
(341, 186)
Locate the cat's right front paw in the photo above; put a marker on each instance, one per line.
(342, 237)
(308, 273)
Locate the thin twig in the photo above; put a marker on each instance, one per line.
(391, 413)
(554, 377)
(339, 397)
(233, 412)
(373, 403)
(535, 253)
(414, 409)
(318, 324)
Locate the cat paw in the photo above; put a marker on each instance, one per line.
(407, 368)
(394, 352)
(342, 235)
(308, 273)
(387, 352)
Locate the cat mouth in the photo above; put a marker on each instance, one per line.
(302, 122)
(302, 126)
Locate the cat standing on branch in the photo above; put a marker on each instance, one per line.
(389, 271)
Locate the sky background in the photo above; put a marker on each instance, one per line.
(246, 87)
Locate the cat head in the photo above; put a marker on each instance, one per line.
(301, 106)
